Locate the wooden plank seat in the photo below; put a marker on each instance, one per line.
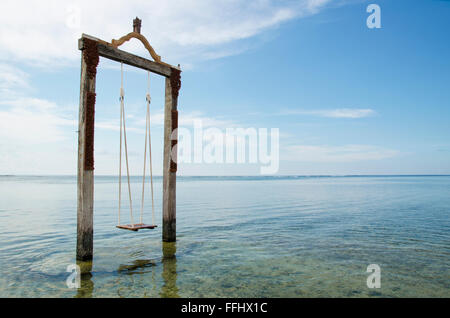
(136, 227)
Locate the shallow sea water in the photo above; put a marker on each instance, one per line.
(237, 237)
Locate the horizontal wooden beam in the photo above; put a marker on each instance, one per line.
(109, 52)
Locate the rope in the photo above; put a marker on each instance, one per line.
(145, 161)
(147, 130)
(120, 154)
(122, 119)
(150, 148)
(123, 132)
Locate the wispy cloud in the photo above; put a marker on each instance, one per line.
(33, 130)
(24, 118)
(12, 80)
(333, 154)
(47, 30)
(186, 120)
(333, 113)
(26, 126)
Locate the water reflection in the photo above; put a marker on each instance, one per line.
(86, 283)
(137, 267)
(169, 274)
(138, 272)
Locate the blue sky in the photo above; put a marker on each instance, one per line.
(347, 99)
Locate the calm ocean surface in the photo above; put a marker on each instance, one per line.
(237, 237)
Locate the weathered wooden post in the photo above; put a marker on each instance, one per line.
(85, 189)
(173, 84)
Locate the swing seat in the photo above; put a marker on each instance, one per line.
(136, 227)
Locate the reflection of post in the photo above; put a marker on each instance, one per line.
(87, 285)
(169, 274)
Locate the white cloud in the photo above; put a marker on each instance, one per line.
(334, 113)
(34, 140)
(24, 118)
(46, 31)
(336, 154)
(190, 118)
(31, 129)
(347, 113)
(186, 120)
(12, 79)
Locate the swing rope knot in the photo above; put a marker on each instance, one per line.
(148, 98)
(122, 94)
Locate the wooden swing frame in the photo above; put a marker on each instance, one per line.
(92, 49)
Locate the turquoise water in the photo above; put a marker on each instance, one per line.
(237, 237)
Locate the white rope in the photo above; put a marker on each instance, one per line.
(120, 155)
(145, 161)
(150, 148)
(123, 133)
(122, 113)
(147, 130)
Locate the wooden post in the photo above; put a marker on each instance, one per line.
(170, 152)
(85, 189)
